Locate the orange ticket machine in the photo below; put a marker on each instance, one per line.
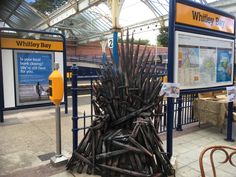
(56, 87)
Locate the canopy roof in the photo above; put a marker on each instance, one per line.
(83, 20)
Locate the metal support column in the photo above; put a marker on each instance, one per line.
(115, 46)
(74, 89)
(170, 101)
(58, 159)
(58, 130)
(229, 122)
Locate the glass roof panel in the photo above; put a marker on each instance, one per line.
(95, 21)
(130, 13)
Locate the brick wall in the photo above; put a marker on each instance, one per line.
(94, 49)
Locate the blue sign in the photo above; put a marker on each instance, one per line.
(224, 65)
(33, 70)
(34, 67)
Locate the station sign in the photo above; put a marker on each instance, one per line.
(110, 43)
(197, 17)
(31, 44)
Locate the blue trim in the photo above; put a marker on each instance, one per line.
(171, 51)
(191, 29)
(205, 7)
(64, 63)
(115, 46)
(204, 89)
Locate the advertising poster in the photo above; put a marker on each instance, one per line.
(188, 64)
(224, 65)
(231, 93)
(204, 62)
(170, 90)
(32, 71)
(207, 60)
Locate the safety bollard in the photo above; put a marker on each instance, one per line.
(74, 89)
(56, 89)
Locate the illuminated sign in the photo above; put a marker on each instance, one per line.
(186, 14)
(14, 43)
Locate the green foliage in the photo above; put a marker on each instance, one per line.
(43, 5)
(46, 5)
(162, 38)
(140, 41)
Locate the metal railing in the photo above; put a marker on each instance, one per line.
(183, 110)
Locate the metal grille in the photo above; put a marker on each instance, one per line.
(183, 112)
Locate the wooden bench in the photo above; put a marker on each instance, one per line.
(229, 152)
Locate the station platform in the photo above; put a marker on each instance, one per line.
(27, 141)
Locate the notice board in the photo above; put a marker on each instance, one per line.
(204, 62)
(26, 66)
(203, 54)
(32, 70)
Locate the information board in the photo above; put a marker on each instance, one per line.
(31, 72)
(204, 62)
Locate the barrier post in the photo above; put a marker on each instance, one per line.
(179, 124)
(229, 122)
(74, 90)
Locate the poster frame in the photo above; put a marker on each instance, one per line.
(17, 95)
(56, 37)
(175, 26)
(177, 33)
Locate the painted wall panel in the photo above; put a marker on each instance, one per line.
(59, 59)
(8, 78)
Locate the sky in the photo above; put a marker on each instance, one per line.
(136, 11)
(29, 1)
(132, 12)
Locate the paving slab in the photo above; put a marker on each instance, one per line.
(27, 135)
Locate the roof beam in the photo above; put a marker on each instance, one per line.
(108, 34)
(154, 9)
(67, 10)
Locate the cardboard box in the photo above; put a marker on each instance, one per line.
(206, 95)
